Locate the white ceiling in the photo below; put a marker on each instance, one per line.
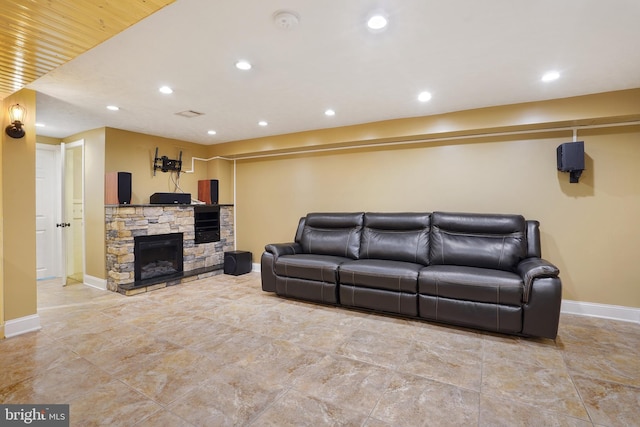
(467, 53)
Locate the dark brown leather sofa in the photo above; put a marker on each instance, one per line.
(482, 271)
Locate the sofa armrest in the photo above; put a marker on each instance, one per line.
(541, 314)
(268, 260)
(279, 249)
(534, 268)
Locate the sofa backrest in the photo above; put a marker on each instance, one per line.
(332, 234)
(533, 239)
(478, 240)
(396, 236)
(300, 229)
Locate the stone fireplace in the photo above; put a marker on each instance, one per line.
(128, 224)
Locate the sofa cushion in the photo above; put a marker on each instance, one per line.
(492, 317)
(322, 268)
(478, 240)
(335, 234)
(396, 236)
(379, 300)
(471, 284)
(381, 274)
(310, 290)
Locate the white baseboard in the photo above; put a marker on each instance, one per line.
(95, 282)
(605, 311)
(256, 267)
(21, 325)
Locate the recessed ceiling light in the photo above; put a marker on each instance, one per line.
(112, 108)
(262, 123)
(166, 90)
(39, 125)
(550, 76)
(377, 22)
(211, 132)
(329, 112)
(243, 65)
(424, 96)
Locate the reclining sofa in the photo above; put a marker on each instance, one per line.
(482, 271)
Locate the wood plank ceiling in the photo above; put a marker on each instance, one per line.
(37, 36)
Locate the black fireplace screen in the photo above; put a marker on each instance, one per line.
(157, 256)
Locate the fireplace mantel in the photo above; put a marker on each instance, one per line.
(124, 222)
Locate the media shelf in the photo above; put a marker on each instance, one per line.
(207, 223)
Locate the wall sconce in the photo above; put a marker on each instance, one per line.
(16, 116)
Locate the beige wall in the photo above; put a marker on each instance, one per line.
(18, 208)
(588, 229)
(47, 140)
(222, 170)
(95, 252)
(135, 152)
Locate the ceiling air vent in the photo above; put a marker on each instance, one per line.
(189, 114)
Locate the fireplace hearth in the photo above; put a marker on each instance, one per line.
(158, 258)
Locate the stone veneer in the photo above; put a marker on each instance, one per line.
(124, 222)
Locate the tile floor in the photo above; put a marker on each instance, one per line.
(219, 351)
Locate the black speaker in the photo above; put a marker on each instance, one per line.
(571, 159)
(170, 198)
(570, 156)
(117, 188)
(237, 262)
(208, 191)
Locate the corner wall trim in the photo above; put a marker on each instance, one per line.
(21, 325)
(95, 282)
(255, 267)
(605, 311)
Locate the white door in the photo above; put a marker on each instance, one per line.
(48, 236)
(73, 211)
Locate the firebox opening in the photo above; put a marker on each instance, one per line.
(157, 258)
